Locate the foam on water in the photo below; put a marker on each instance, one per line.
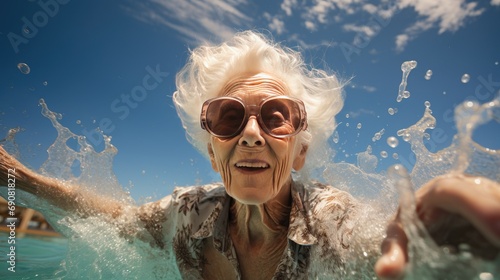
(97, 249)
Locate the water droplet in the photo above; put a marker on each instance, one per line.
(427, 104)
(390, 111)
(347, 124)
(395, 156)
(393, 142)
(24, 68)
(336, 137)
(143, 172)
(45, 83)
(358, 126)
(444, 92)
(378, 135)
(465, 78)
(406, 94)
(346, 116)
(428, 74)
(383, 154)
(78, 121)
(406, 137)
(496, 62)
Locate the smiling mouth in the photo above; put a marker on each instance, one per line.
(252, 166)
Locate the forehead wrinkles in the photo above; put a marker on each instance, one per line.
(258, 83)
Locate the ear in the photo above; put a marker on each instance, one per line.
(300, 158)
(212, 157)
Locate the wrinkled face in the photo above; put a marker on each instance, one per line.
(255, 166)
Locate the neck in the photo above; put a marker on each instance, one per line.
(258, 225)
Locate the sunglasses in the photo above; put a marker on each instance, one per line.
(279, 116)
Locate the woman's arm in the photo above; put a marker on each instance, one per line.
(59, 193)
(456, 206)
(148, 222)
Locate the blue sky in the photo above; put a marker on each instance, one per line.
(87, 57)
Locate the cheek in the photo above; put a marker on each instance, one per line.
(222, 155)
(284, 153)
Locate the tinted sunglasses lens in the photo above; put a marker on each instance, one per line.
(225, 117)
(281, 116)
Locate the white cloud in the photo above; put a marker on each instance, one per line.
(370, 8)
(320, 11)
(495, 2)
(308, 46)
(366, 30)
(310, 25)
(277, 25)
(288, 5)
(197, 21)
(401, 41)
(445, 15)
(357, 113)
(448, 15)
(216, 20)
(369, 88)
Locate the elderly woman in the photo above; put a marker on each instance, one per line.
(257, 111)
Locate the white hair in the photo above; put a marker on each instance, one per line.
(209, 68)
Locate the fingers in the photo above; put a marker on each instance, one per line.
(474, 198)
(392, 263)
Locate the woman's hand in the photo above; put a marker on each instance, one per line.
(454, 209)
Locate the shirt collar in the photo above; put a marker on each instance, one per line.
(299, 230)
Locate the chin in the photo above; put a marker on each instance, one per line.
(254, 197)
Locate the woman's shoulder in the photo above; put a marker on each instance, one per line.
(316, 190)
(323, 199)
(199, 192)
(189, 195)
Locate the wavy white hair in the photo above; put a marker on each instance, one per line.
(209, 68)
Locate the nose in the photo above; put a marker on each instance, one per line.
(251, 134)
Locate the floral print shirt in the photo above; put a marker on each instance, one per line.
(323, 222)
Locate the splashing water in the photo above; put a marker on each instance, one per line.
(378, 135)
(97, 249)
(406, 67)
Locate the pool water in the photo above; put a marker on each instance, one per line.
(37, 257)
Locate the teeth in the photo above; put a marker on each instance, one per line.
(252, 164)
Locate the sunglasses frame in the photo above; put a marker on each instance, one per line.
(248, 112)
